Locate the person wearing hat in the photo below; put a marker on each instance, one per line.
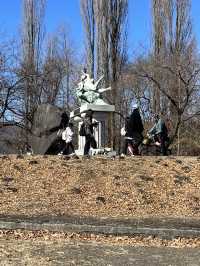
(133, 132)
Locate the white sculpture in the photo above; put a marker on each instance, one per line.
(88, 91)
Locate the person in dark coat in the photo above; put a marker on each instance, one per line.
(133, 132)
(89, 125)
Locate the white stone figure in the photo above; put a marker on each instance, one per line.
(88, 90)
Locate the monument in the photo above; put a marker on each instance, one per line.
(90, 96)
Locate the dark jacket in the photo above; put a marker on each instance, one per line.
(89, 125)
(134, 124)
(64, 120)
(134, 127)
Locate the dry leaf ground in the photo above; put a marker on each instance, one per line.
(60, 237)
(100, 187)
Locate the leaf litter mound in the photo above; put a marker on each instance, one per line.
(100, 187)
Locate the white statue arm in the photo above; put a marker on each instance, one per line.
(97, 82)
(84, 77)
(104, 89)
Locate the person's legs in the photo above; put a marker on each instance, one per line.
(125, 147)
(72, 147)
(130, 147)
(93, 142)
(62, 147)
(68, 146)
(87, 145)
(66, 149)
(161, 140)
(162, 145)
(135, 150)
(156, 138)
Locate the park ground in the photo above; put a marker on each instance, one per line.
(98, 187)
(20, 247)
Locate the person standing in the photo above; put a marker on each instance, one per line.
(89, 125)
(67, 136)
(63, 125)
(133, 132)
(159, 133)
(125, 132)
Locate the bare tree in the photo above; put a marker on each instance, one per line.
(117, 23)
(9, 82)
(105, 27)
(88, 16)
(188, 76)
(52, 72)
(179, 44)
(118, 14)
(58, 70)
(158, 45)
(102, 40)
(172, 32)
(32, 37)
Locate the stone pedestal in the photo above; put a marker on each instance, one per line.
(101, 115)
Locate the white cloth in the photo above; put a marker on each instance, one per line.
(67, 135)
(123, 131)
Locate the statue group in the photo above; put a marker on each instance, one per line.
(89, 91)
(50, 121)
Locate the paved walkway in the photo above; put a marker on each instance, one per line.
(161, 227)
(17, 252)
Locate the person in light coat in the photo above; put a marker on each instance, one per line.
(67, 136)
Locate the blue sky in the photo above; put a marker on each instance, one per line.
(67, 12)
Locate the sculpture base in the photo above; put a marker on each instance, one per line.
(94, 107)
(101, 132)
